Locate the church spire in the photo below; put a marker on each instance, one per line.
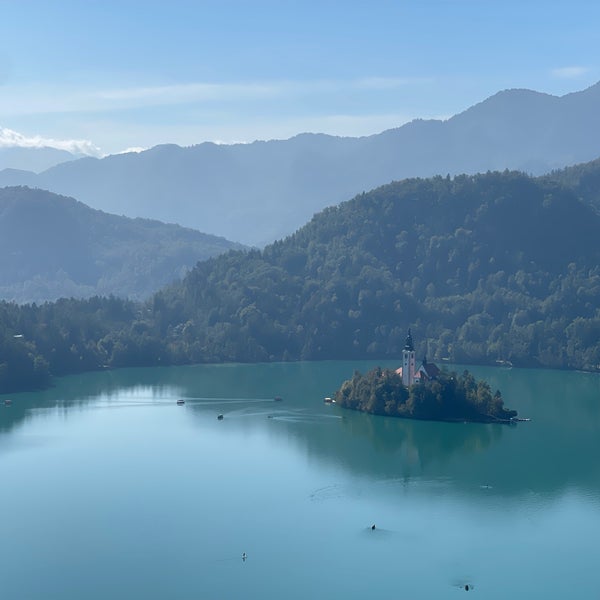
(409, 343)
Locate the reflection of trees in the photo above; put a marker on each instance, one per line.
(557, 451)
(77, 390)
(392, 447)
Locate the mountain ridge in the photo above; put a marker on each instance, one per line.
(54, 246)
(258, 192)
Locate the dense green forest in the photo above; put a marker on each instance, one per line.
(486, 268)
(449, 397)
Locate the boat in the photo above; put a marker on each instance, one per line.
(505, 364)
(278, 399)
(180, 402)
(220, 417)
(329, 400)
(8, 402)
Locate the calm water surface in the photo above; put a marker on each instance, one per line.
(111, 490)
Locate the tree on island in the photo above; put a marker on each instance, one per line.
(450, 397)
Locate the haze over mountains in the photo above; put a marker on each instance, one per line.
(52, 246)
(256, 193)
(33, 159)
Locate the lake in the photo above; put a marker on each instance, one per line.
(112, 490)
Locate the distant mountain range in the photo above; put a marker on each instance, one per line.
(256, 193)
(52, 246)
(33, 159)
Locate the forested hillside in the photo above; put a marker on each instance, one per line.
(52, 246)
(486, 268)
(582, 179)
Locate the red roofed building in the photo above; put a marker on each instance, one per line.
(427, 371)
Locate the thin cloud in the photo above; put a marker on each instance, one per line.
(572, 72)
(13, 139)
(39, 99)
(389, 83)
(191, 92)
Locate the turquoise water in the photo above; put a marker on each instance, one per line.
(111, 490)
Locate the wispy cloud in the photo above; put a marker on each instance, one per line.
(572, 72)
(12, 139)
(145, 115)
(132, 150)
(39, 99)
(189, 92)
(388, 83)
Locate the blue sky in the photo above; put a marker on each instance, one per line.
(103, 76)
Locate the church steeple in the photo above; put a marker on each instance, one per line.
(408, 361)
(408, 345)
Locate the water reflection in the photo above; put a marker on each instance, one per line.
(555, 452)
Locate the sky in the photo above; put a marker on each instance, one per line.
(102, 77)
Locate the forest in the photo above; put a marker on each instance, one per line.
(498, 267)
(449, 397)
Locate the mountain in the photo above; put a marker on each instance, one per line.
(583, 179)
(33, 159)
(495, 268)
(53, 246)
(256, 193)
(486, 268)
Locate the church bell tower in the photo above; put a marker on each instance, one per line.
(408, 361)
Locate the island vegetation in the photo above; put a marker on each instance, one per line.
(449, 397)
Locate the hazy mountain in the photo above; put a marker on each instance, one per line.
(255, 193)
(32, 159)
(53, 246)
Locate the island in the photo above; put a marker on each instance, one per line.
(448, 397)
(423, 392)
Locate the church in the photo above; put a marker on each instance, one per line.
(408, 371)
